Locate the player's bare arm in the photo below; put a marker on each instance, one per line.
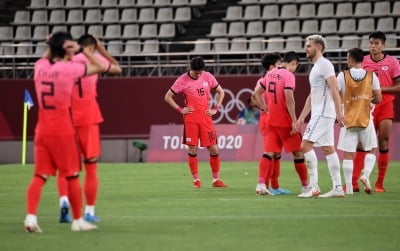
(332, 83)
(169, 98)
(394, 88)
(115, 68)
(220, 96)
(259, 99)
(376, 96)
(95, 65)
(290, 103)
(304, 113)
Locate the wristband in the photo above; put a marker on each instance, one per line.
(179, 109)
(216, 107)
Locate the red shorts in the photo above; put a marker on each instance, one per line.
(89, 140)
(277, 137)
(54, 153)
(262, 123)
(205, 132)
(382, 112)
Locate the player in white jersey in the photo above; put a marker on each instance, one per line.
(358, 89)
(324, 105)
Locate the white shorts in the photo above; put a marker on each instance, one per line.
(349, 138)
(320, 131)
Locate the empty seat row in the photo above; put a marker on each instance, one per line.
(251, 2)
(311, 10)
(69, 4)
(325, 26)
(129, 15)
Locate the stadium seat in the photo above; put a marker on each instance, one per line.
(6, 33)
(382, 8)
(252, 12)
(180, 3)
(238, 44)
(113, 31)
(38, 4)
(294, 43)
(275, 44)
(309, 27)
(162, 3)
(350, 41)
(77, 30)
(218, 30)
(202, 45)
(244, 2)
(363, 9)
(75, 17)
(325, 10)
(144, 3)
(7, 49)
(167, 30)
(233, 13)
(164, 15)
(307, 11)
(347, 25)
(21, 17)
(266, 1)
(182, 14)
(391, 41)
(91, 3)
(127, 3)
(40, 48)
(59, 28)
(55, 4)
(332, 42)
(130, 31)
(385, 24)
(149, 31)
(366, 25)
(398, 24)
(146, 15)
(364, 42)
(39, 17)
(151, 46)
(344, 10)
(22, 33)
(195, 3)
(57, 17)
(73, 4)
(95, 30)
(114, 47)
(93, 16)
(328, 26)
(111, 16)
(132, 47)
(254, 28)
(221, 45)
(270, 12)
(396, 9)
(288, 11)
(273, 28)
(109, 3)
(24, 49)
(236, 29)
(291, 27)
(256, 44)
(128, 16)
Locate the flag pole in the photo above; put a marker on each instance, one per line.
(24, 125)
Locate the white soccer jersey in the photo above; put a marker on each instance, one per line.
(321, 96)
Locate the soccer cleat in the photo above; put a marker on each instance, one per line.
(81, 225)
(261, 189)
(64, 213)
(356, 189)
(335, 192)
(309, 192)
(91, 218)
(367, 185)
(219, 183)
(31, 227)
(348, 190)
(379, 189)
(280, 190)
(197, 184)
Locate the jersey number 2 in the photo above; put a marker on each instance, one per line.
(49, 93)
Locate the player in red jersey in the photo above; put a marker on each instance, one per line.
(55, 145)
(196, 86)
(87, 116)
(387, 69)
(279, 85)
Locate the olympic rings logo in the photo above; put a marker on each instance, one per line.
(226, 109)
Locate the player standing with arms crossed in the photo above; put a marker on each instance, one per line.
(196, 86)
(55, 144)
(387, 69)
(324, 105)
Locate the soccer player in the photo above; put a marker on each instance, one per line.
(55, 145)
(278, 86)
(87, 116)
(196, 85)
(358, 89)
(324, 104)
(387, 69)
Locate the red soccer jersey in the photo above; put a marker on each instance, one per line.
(387, 70)
(275, 82)
(85, 109)
(197, 94)
(53, 84)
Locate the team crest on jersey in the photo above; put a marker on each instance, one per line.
(385, 68)
(188, 139)
(205, 83)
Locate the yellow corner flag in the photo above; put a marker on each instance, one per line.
(28, 103)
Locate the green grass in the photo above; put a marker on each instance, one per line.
(154, 207)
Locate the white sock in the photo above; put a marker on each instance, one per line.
(62, 199)
(334, 169)
(348, 171)
(31, 218)
(89, 210)
(369, 164)
(312, 167)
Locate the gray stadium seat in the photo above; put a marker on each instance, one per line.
(202, 45)
(24, 49)
(93, 16)
(248, 1)
(294, 43)
(113, 31)
(162, 3)
(325, 10)
(309, 26)
(350, 41)
(270, 12)
(40, 48)
(7, 49)
(128, 16)
(75, 17)
(385, 24)
(332, 42)
(396, 8)
(114, 47)
(109, 3)
(132, 47)
(344, 10)
(236, 29)
(256, 44)
(57, 17)
(149, 31)
(382, 8)
(40, 32)
(183, 14)
(96, 30)
(273, 28)
(391, 41)
(38, 4)
(218, 29)
(347, 25)
(77, 30)
(328, 26)
(275, 44)
(111, 16)
(307, 11)
(252, 12)
(364, 42)
(39, 17)
(22, 33)
(366, 25)
(363, 9)
(266, 1)
(221, 45)
(144, 3)
(59, 28)
(6, 33)
(127, 3)
(131, 31)
(55, 4)
(21, 17)
(254, 28)
(73, 3)
(288, 11)
(167, 30)
(164, 15)
(234, 13)
(146, 15)
(238, 44)
(151, 46)
(291, 27)
(197, 2)
(180, 2)
(91, 3)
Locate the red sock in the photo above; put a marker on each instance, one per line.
(358, 163)
(194, 166)
(215, 164)
(91, 183)
(75, 196)
(383, 162)
(275, 173)
(263, 169)
(301, 170)
(33, 194)
(62, 185)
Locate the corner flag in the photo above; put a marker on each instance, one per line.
(28, 103)
(28, 100)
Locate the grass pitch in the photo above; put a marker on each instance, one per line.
(154, 207)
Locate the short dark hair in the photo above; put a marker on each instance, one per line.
(270, 59)
(378, 35)
(197, 64)
(56, 43)
(87, 40)
(290, 56)
(357, 54)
